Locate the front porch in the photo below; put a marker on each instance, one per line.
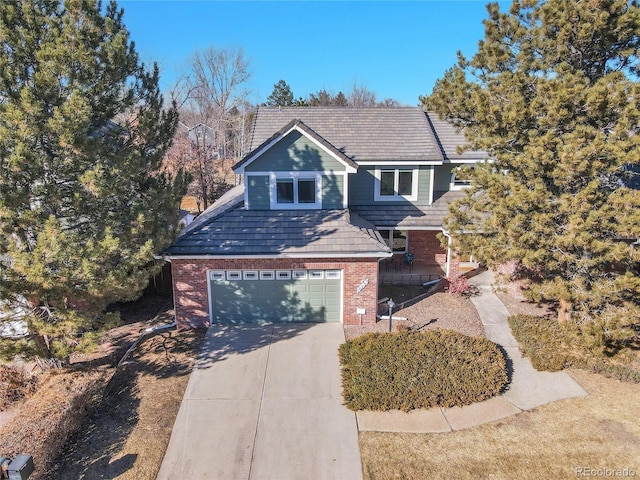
(395, 271)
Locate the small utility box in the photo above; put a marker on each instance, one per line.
(21, 467)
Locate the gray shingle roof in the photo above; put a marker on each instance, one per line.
(295, 232)
(408, 216)
(363, 134)
(360, 134)
(450, 138)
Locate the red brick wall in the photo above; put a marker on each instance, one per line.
(426, 247)
(454, 266)
(192, 301)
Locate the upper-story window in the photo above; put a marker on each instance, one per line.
(396, 184)
(458, 183)
(295, 190)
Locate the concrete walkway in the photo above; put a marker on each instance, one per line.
(528, 387)
(265, 402)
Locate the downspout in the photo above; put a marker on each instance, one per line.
(166, 326)
(448, 269)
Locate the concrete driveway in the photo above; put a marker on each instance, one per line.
(264, 402)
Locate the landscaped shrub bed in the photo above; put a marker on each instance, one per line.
(410, 370)
(541, 339)
(552, 346)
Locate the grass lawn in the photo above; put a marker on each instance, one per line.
(552, 441)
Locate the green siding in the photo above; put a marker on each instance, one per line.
(332, 191)
(424, 185)
(295, 152)
(258, 192)
(443, 178)
(362, 185)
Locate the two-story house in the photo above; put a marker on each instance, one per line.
(331, 201)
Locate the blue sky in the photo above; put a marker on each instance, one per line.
(397, 49)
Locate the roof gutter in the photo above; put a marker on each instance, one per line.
(278, 255)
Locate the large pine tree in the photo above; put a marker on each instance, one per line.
(552, 94)
(83, 205)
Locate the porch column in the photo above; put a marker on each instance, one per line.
(453, 259)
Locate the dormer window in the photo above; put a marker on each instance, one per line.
(285, 190)
(291, 190)
(306, 190)
(396, 184)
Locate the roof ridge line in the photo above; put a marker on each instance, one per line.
(436, 136)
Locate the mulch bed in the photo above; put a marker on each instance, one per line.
(438, 310)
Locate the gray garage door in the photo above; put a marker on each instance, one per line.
(253, 296)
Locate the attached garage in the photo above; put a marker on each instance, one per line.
(258, 296)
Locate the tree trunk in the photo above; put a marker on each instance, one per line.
(564, 311)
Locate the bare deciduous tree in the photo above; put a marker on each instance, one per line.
(214, 119)
(361, 96)
(217, 84)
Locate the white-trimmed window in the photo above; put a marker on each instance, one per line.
(397, 240)
(299, 274)
(396, 184)
(216, 275)
(296, 190)
(283, 275)
(267, 274)
(332, 274)
(250, 275)
(456, 182)
(234, 275)
(316, 274)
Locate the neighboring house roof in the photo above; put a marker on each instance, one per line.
(230, 230)
(362, 134)
(403, 216)
(300, 126)
(450, 138)
(107, 129)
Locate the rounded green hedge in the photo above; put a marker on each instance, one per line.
(409, 370)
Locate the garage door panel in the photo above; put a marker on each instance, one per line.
(246, 302)
(334, 288)
(301, 288)
(316, 303)
(317, 288)
(261, 300)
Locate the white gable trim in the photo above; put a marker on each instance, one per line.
(259, 153)
(390, 163)
(432, 174)
(467, 160)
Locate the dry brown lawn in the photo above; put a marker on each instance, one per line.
(122, 418)
(127, 436)
(552, 441)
